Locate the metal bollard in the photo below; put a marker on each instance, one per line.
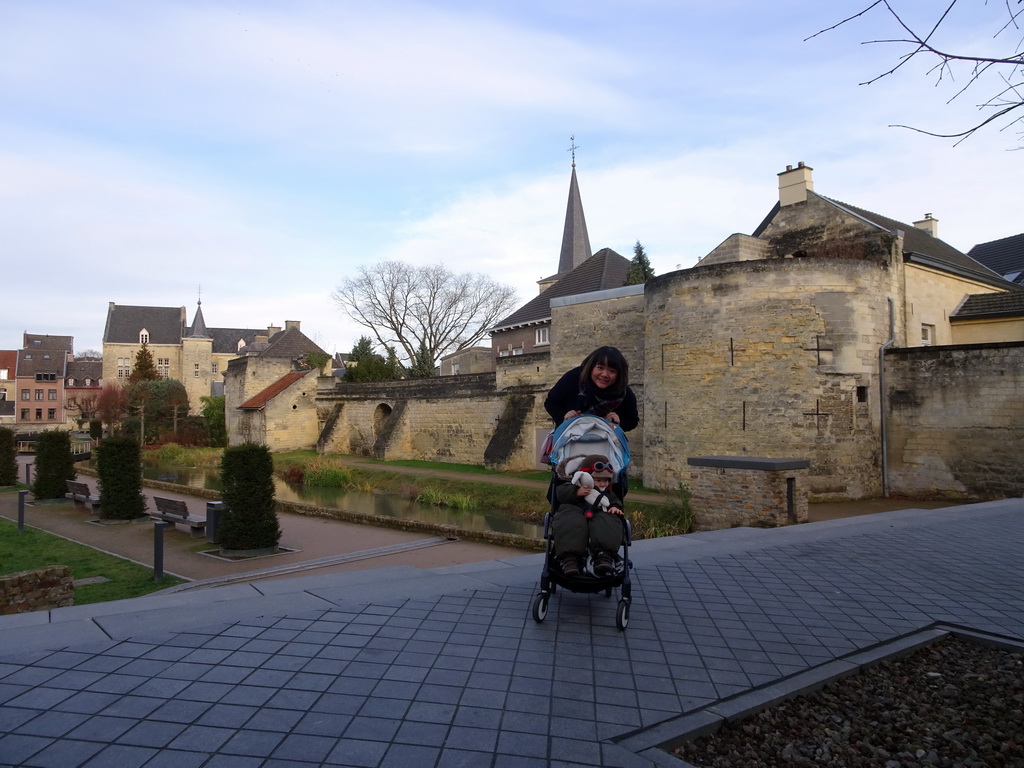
(214, 509)
(158, 548)
(28, 474)
(21, 509)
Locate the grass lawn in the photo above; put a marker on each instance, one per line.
(32, 548)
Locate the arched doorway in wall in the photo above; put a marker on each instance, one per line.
(381, 414)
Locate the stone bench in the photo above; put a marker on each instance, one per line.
(79, 493)
(176, 511)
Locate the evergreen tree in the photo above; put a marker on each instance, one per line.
(640, 270)
(54, 464)
(367, 365)
(8, 457)
(422, 366)
(144, 368)
(119, 471)
(250, 518)
(216, 421)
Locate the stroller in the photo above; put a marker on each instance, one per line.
(573, 440)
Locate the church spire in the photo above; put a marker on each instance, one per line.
(575, 240)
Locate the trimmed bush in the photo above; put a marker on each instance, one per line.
(54, 465)
(250, 518)
(119, 469)
(8, 457)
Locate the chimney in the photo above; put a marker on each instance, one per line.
(929, 225)
(272, 329)
(794, 184)
(261, 338)
(290, 324)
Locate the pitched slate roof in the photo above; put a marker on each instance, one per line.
(289, 344)
(166, 325)
(198, 329)
(978, 305)
(260, 400)
(44, 354)
(1004, 256)
(919, 246)
(605, 269)
(575, 239)
(80, 370)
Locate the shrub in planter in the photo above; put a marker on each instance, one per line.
(54, 465)
(119, 468)
(250, 518)
(8, 457)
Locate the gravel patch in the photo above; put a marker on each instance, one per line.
(953, 704)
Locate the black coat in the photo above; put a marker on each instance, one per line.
(565, 396)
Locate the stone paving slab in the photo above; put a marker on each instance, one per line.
(445, 667)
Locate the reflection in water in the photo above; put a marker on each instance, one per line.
(385, 505)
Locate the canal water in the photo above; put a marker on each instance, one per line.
(385, 505)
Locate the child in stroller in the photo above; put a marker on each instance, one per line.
(586, 519)
(589, 456)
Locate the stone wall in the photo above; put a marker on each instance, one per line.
(956, 420)
(728, 491)
(41, 590)
(775, 357)
(453, 419)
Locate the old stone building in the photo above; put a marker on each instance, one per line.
(270, 391)
(195, 355)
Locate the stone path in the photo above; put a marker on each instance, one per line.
(444, 667)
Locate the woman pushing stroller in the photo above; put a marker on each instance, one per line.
(599, 386)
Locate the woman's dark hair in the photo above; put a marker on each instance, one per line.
(610, 357)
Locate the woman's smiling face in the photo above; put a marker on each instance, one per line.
(603, 376)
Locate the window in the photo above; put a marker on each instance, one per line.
(455, 369)
(24, 414)
(26, 394)
(927, 335)
(214, 368)
(46, 377)
(503, 353)
(39, 414)
(124, 367)
(517, 351)
(39, 394)
(4, 375)
(143, 336)
(71, 381)
(195, 372)
(51, 413)
(51, 394)
(543, 336)
(88, 381)
(862, 394)
(163, 367)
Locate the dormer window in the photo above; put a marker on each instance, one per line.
(143, 336)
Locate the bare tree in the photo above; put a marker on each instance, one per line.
(430, 308)
(1002, 74)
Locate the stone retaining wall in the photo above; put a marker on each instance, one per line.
(41, 590)
(730, 491)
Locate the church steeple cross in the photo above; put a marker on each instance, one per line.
(572, 148)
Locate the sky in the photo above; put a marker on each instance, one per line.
(255, 154)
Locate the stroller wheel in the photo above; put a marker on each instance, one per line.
(622, 614)
(540, 607)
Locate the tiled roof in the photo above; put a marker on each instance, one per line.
(605, 269)
(1008, 304)
(258, 401)
(1004, 256)
(9, 360)
(225, 340)
(44, 354)
(291, 344)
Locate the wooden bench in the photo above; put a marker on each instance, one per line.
(79, 493)
(176, 511)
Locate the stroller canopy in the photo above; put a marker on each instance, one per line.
(585, 435)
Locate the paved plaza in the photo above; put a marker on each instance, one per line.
(443, 667)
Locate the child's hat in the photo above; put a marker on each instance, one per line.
(598, 466)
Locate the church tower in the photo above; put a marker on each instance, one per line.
(575, 238)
